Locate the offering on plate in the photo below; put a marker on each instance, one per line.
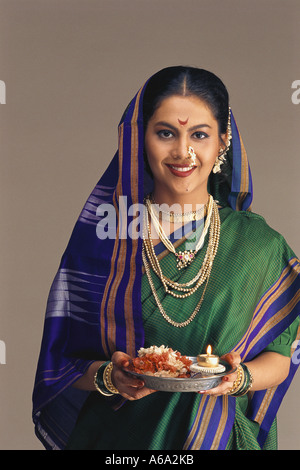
(208, 363)
(161, 362)
(164, 369)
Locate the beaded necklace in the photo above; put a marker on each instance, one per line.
(203, 274)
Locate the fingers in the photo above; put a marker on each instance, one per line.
(130, 387)
(137, 394)
(120, 359)
(222, 389)
(226, 385)
(233, 358)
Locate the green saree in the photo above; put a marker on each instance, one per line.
(250, 259)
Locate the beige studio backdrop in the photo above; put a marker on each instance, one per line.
(68, 68)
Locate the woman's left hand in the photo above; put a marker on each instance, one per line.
(226, 385)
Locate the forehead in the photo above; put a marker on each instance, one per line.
(182, 108)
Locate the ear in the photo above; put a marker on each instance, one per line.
(223, 141)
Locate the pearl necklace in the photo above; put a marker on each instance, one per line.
(184, 258)
(160, 307)
(203, 273)
(202, 276)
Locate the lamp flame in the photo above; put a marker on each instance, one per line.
(209, 350)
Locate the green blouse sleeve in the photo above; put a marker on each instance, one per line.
(283, 343)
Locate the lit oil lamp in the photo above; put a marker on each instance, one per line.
(209, 363)
(208, 359)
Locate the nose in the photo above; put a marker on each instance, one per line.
(180, 150)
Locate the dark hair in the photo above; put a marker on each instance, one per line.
(187, 81)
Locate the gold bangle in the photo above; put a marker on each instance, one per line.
(107, 379)
(98, 381)
(237, 384)
(249, 383)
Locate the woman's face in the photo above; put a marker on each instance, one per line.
(180, 122)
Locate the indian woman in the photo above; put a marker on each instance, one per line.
(182, 261)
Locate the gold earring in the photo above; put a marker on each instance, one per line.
(222, 157)
(219, 161)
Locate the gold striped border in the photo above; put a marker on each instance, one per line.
(118, 262)
(109, 347)
(58, 377)
(196, 422)
(204, 423)
(221, 427)
(275, 320)
(265, 405)
(129, 309)
(270, 393)
(271, 294)
(255, 321)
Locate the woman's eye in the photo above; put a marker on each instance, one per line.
(200, 135)
(165, 134)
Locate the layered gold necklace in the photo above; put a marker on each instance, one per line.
(150, 259)
(184, 258)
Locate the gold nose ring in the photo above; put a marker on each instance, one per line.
(192, 154)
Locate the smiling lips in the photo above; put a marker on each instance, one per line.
(181, 170)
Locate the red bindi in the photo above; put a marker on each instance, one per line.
(182, 123)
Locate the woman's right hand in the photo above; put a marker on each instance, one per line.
(130, 387)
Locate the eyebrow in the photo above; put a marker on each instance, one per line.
(193, 128)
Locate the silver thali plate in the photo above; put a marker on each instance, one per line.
(197, 382)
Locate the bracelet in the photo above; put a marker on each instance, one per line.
(248, 382)
(243, 383)
(99, 382)
(107, 379)
(237, 384)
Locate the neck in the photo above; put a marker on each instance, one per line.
(191, 199)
